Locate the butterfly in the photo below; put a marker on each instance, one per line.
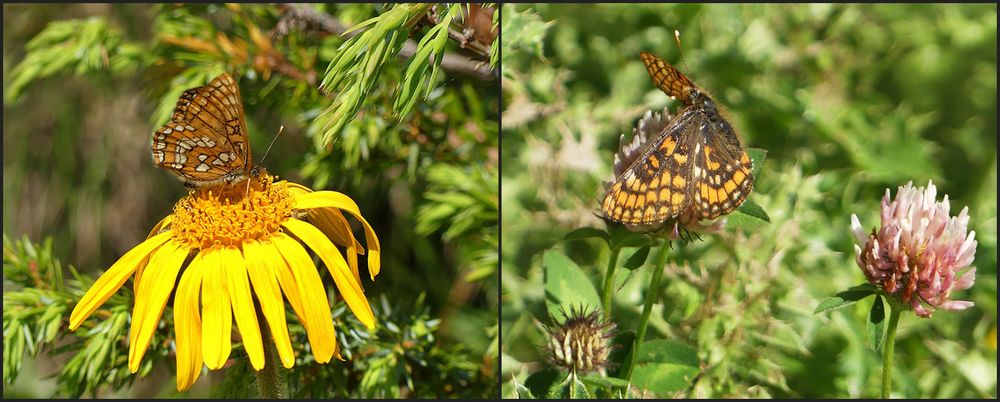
(696, 166)
(205, 142)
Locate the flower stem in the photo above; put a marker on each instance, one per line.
(890, 343)
(609, 280)
(271, 381)
(647, 308)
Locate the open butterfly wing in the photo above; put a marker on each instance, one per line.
(655, 187)
(724, 177)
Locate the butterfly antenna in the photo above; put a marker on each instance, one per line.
(677, 38)
(280, 129)
(268, 150)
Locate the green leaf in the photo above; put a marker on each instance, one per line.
(621, 351)
(638, 258)
(748, 216)
(876, 325)
(543, 381)
(586, 232)
(359, 62)
(608, 383)
(845, 298)
(664, 366)
(570, 388)
(429, 54)
(753, 210)
(80, 46)
(523, 392)
(523, 33)
(566, 285)
(622, 237)
(757, 156)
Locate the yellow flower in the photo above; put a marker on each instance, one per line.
(241, 235)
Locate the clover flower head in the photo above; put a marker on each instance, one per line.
(919, 254)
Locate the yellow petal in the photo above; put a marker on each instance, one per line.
(332, 223)
(295, 188)
(142, 287)
(350, 288)
(113, 279)
(153, 292)
(244, 311)
(187, 325)
(217, 313)
(142, 265)
(352, 261)
(317, 308)
(342, 230)
(333, 199)
(261, 266)
(286, 279)
(165, 222)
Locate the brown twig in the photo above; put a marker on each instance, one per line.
(299, 16)
(465, 43)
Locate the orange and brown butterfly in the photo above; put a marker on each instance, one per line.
(695, 167)
(205, 142)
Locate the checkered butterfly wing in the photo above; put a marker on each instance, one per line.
(656, 186)
(723, 172)
(668, 78)
(205, 142)
(696, 162)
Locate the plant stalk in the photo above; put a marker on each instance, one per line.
(271, 381)
(609, 281)
(889, 348)
(647, 308)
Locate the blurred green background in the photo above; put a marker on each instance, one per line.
(85, 85)
(848, 100)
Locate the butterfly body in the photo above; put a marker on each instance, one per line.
(694, 168)
(205, 142)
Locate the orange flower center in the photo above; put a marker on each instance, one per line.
(230, 214)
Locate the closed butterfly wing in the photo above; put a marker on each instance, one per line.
(205, 143)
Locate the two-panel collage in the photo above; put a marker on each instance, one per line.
(492, 201)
